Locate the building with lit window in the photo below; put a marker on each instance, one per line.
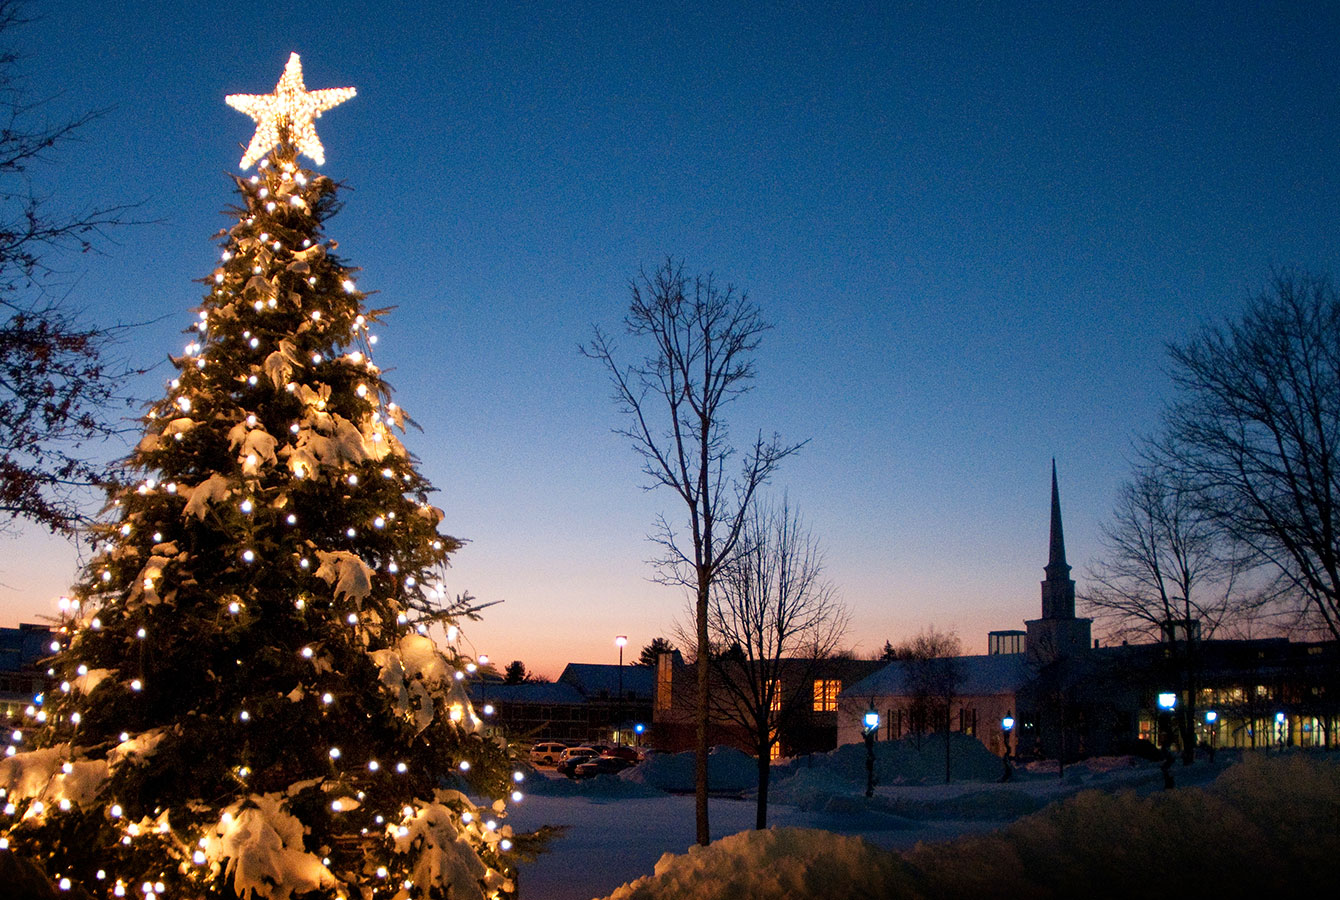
(805, 700)
(22, 675)
(589, 702)
(1063, 695)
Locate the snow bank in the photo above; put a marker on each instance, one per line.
(776, 863)
(896, 763)
(600, 787)
(839, 771)
(1267, 826)
(728, 769)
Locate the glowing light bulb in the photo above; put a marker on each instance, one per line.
(248, 556)
(334, 752)
(327, 699)
(136, 685)
(306, 652)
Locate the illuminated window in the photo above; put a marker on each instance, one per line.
(775, 686)
(826, 692)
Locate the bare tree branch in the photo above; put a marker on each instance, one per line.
(59, 376)
(1256, 434)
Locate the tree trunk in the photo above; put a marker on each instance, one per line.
(764, 749)
(700, 757)
(947, 742)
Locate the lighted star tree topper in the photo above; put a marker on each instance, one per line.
(248, 701)
(288, 115)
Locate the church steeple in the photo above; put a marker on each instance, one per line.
(1058, 590)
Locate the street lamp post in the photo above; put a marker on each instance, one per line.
(1211, 724)
(620, 641)
(1167, 703)
(871, 729)
(1281, 728)
(1006, 727)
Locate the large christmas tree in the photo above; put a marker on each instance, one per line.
(249, 701)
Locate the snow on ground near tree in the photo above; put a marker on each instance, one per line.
(1265, 826)
(619, 827)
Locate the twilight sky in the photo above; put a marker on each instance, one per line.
(975, 226)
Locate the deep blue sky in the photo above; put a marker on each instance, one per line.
(974, 226)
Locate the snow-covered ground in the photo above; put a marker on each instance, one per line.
(618, 827)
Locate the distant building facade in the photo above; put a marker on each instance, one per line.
(588, 703)
(1063, 696)
(807, 708)
(22, 675)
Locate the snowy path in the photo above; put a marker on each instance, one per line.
(612, 841)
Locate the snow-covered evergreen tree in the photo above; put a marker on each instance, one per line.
(249, 702)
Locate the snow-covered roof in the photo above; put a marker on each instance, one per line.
(978, 676)
(599, 681)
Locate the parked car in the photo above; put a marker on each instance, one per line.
(546, 753)
(572, 757)
(629, 753)
(601, 765)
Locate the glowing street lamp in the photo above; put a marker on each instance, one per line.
(871, 723)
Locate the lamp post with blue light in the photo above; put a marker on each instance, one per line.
(1211, 726)
(1281, 728)
(871, 729)
(1006, 729)
(1167, 702)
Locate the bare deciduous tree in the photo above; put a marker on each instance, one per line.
(1166, 573)
(57, 374)
(702, 340)
(1256, 434)
(781, 619)
(933, 678)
